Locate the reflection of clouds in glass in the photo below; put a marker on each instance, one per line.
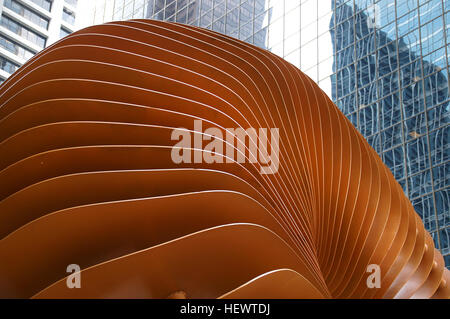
(276, 29)
(300, 34)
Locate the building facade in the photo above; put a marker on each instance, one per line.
(390, 78)
(28, 26)
(385, 63)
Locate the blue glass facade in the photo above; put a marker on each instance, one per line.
(390, 78)
(383, 62)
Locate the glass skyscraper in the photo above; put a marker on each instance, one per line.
(390, 78)
(385, 63)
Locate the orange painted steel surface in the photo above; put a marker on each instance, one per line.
(86, 177)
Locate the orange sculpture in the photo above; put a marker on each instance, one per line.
(87, 178)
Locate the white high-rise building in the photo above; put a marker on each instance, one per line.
(28, 26)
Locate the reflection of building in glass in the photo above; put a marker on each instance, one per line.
(396, 93)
